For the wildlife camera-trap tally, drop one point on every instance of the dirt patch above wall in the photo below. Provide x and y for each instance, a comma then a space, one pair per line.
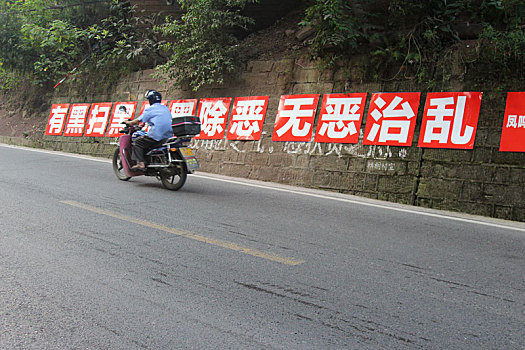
285, 39
18, 120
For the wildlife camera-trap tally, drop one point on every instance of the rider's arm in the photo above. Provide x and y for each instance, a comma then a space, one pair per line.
132, 122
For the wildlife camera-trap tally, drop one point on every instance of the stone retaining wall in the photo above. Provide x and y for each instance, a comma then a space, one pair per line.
481, 181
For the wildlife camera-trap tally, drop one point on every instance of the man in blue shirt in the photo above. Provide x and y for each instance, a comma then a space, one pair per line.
158, 117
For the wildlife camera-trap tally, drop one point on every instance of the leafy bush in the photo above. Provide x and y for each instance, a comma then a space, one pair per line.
336, 29
504, 51
55, 47
202, 45
415, 38
46, 41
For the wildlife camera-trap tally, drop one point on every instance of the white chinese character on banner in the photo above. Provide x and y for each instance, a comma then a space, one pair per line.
213, 117
248, 114
341, 116
181, 109
512, 121
98, 121
294, 117
521, 121
77, 118
438, 129
384, 124
56, 122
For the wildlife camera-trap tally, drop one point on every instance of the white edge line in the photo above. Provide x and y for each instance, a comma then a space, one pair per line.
280, 189
375, 205
65, 154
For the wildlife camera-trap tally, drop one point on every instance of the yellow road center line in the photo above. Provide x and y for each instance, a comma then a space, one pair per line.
196, 237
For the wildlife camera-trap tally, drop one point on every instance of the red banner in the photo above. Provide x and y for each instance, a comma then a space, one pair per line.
76, 119
247, 118
450, 120
513, 133
392, 119
213, 113
295, 118
183, 108
118, 116
98, 119
57, 119
340, 118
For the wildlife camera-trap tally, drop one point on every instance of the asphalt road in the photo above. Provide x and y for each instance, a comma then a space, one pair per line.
90, 262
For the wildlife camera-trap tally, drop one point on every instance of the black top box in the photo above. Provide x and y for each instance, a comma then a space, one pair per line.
183, 126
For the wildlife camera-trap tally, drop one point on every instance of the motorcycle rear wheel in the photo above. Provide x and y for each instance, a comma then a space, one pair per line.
174, 177
118, 168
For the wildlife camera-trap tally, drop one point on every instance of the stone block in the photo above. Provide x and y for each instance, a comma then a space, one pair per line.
370, 182
284, 84
339, 181
518, 213
304, 62
502, 211
219, 156
322, 178
471, 172
401, 198
482, 154
465, 207
298, 177
256, 79
312, 88
306, 75
257, 159
413, 168
448, 155
282, 160
332, 163
371, 195
260, 66
439, 188
284, 66
302, 161
509, 158
235, 169
356, 164
472, 192
504, 194
396, 184
236, 157
326, 75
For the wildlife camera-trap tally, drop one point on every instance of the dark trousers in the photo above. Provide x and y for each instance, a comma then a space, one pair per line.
141, 146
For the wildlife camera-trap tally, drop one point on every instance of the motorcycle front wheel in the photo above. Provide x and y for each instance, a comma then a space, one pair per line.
118, 168
174, 177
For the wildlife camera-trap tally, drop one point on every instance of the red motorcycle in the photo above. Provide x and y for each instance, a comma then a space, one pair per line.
169, 163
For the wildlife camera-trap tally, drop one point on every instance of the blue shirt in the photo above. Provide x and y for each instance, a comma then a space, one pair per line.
158, 117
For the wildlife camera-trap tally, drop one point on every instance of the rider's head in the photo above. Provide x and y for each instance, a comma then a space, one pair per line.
153, 96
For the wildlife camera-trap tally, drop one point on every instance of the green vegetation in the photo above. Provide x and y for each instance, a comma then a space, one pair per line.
415, 39
204, 46
336, 29
42, 40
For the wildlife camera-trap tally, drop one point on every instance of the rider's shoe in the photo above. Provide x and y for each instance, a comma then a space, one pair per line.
139, 167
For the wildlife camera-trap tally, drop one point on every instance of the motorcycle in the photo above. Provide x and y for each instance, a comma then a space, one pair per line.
170, 163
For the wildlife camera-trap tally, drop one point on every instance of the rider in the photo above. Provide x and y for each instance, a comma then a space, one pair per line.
158, 117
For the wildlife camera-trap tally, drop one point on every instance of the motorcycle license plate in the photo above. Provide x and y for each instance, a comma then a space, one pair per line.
189, 158
186, 152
